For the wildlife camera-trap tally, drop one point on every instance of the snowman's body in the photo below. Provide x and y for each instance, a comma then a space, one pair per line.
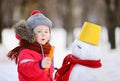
83, 73
79, 72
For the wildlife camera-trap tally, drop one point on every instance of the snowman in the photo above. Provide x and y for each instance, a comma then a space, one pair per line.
84, 64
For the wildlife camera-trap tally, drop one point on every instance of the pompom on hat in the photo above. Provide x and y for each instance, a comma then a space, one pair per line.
35, 12
90, 33
37, 18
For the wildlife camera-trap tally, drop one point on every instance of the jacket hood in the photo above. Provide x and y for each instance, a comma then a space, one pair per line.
24, 32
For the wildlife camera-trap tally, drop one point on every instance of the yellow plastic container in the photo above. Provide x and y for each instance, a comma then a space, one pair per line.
90, 33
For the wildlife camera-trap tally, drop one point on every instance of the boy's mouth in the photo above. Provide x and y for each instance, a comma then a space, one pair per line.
43, 39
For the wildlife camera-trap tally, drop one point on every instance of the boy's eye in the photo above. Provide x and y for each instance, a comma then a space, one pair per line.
38, 31
46, 31
41, 31
78, 46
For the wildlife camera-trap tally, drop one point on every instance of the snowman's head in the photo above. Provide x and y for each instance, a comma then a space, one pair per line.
86, 51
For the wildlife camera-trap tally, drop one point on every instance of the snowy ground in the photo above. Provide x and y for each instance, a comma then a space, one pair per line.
110, 58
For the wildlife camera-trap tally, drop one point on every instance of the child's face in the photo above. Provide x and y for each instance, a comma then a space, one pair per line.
42, 34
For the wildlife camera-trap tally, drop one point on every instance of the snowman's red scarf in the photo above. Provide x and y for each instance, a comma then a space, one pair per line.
63, 73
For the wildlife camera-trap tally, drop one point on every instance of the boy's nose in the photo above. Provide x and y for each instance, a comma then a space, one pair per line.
43, 34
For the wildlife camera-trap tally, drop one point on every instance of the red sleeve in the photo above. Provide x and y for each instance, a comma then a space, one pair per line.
28, 65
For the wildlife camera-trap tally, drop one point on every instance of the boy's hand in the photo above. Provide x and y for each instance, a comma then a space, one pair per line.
46, 62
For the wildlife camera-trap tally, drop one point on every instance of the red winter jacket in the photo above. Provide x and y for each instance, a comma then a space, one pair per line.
29, 67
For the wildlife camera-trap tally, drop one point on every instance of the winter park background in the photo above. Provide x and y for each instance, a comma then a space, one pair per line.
110, 58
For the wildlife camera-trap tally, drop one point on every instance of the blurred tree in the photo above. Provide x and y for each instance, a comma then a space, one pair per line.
112, 19
0, 21
118, 12
92, 11
27, 6
85, 10
65, 12
68, 22
7, 10
6, 13
7, 16
49, 8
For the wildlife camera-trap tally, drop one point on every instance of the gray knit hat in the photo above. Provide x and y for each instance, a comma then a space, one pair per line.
37, 18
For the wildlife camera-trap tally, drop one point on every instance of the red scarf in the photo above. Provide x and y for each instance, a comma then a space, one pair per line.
26, 45
35, 46
63, 73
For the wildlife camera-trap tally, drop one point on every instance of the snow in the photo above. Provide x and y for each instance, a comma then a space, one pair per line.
110, 58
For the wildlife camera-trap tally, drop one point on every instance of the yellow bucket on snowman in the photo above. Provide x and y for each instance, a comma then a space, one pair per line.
90, 33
